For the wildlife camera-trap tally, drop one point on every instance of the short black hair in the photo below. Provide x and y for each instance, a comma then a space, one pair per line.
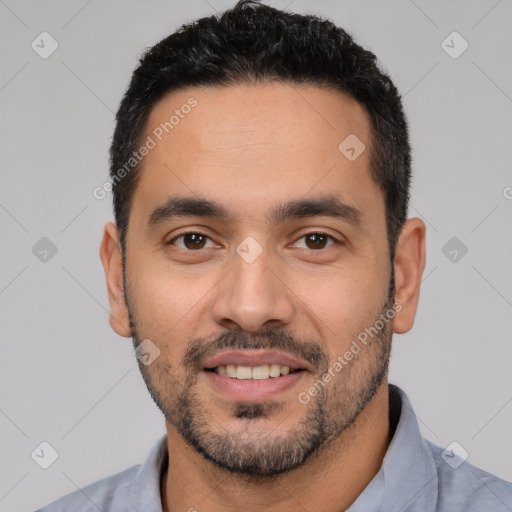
255, 43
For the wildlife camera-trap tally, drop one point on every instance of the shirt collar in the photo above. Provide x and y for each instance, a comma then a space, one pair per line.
145, 491
408, 476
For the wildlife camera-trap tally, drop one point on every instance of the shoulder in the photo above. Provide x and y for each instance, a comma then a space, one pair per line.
467, 487
136, 488
110, 494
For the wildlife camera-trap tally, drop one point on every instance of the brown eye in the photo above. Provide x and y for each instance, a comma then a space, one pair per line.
190, 241
317, 240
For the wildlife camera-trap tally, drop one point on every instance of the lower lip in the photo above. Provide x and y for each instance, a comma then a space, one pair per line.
255, 390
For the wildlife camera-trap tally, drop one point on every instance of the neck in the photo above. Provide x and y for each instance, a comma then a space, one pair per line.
329, 481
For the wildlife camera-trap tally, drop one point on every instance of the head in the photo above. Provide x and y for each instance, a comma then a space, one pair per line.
261, 170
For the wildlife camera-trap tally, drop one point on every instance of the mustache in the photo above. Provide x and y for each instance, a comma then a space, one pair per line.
199, 350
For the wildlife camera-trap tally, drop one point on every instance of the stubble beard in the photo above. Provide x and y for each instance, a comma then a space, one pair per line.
252, 451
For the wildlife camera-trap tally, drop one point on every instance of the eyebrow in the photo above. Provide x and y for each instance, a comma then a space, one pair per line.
325, 206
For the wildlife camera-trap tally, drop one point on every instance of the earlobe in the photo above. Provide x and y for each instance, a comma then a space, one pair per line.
409, 267
111, 258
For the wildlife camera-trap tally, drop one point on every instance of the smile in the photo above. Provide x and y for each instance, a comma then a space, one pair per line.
254, 373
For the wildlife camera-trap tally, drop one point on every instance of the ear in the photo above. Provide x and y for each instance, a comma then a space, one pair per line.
409, 266
110, 254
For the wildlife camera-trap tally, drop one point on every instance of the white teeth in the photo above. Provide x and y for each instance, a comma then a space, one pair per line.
252, 372
243, 372
275, 370
260, 372
285, 370
231, 371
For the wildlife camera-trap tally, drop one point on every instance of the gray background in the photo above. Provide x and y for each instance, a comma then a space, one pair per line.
67, 379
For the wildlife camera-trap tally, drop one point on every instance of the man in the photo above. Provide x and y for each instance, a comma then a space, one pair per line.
261, 260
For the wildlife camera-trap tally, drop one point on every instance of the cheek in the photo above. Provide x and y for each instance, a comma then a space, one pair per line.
341, 296
160, 314
165, 299
342, 304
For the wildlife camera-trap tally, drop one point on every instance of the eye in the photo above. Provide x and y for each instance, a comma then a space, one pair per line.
191, 240
317, 240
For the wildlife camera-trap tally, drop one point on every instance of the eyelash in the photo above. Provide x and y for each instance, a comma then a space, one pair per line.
335, 240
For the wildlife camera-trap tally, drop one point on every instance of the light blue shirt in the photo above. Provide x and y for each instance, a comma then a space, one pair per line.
415, 476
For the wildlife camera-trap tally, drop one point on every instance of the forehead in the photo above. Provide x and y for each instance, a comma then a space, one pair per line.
252, 145
236, 117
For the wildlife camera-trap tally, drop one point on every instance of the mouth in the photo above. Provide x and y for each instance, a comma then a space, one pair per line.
254, 375
262, 372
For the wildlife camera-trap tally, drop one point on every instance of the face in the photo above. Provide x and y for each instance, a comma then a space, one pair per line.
256, 255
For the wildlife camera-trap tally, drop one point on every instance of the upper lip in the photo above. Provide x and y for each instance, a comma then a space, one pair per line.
256, 358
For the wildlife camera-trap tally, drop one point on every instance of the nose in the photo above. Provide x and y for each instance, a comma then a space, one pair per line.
252, 295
